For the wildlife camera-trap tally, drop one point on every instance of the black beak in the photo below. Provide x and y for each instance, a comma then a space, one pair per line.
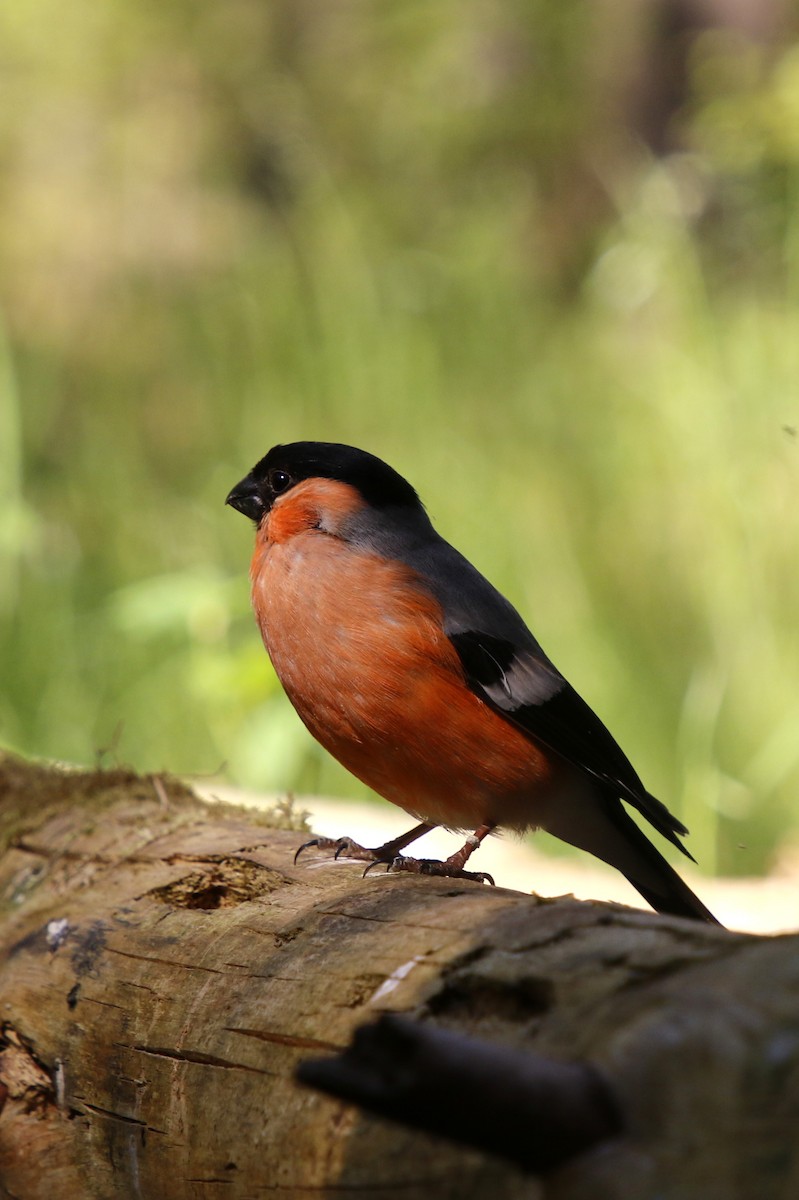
246, 498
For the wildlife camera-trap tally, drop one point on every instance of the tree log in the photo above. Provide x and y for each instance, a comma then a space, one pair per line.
166, 966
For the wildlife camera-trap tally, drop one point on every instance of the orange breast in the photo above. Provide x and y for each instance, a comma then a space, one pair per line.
362, 655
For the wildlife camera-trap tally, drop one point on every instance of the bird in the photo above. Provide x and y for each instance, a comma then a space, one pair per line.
422, 679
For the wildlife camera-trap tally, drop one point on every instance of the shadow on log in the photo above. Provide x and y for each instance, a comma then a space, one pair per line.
164, 968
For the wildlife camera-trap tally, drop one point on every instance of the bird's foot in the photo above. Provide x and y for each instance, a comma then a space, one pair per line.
449, 868
390, 854
345, 847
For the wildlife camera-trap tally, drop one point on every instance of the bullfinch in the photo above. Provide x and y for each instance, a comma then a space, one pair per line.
413, 671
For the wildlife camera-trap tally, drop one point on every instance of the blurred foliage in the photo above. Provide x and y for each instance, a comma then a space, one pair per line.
435, 231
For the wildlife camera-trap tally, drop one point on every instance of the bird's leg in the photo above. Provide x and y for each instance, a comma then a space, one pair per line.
452, 867
387, 853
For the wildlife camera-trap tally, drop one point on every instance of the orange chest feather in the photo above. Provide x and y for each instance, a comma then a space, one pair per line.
342, 627
362, 654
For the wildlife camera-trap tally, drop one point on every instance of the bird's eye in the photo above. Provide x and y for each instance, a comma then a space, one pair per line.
279, 481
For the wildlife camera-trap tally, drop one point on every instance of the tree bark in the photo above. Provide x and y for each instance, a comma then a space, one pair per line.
166, 966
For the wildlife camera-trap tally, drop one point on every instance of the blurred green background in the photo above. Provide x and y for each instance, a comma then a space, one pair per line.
544, 258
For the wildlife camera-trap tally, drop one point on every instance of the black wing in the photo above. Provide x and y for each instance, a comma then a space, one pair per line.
529, 691
506, 667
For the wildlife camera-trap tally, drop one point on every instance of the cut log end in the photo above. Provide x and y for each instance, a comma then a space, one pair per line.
533, 1111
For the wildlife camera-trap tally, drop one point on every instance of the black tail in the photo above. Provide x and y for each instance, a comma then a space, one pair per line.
651, 875
604, 827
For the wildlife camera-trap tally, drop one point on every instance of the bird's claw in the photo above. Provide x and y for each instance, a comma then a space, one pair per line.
307, 846
343, 846
433, 866
351, 849
378, 862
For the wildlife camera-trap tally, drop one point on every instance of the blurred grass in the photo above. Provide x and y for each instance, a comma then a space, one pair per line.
619, 455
